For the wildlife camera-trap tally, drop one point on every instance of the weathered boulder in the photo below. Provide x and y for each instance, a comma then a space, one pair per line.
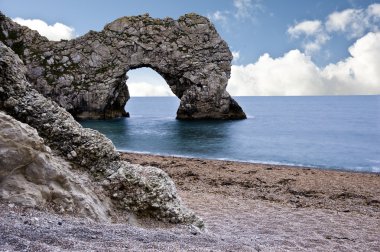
87, 75
31, 175
144, 190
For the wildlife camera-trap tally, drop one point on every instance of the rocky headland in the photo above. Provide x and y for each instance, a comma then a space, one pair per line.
87, 75
34, 174
48, 159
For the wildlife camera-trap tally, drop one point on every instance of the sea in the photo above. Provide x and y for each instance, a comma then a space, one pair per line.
327, 132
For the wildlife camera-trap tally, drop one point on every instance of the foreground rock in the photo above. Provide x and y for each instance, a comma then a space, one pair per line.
31, 175
87, 75
143, 190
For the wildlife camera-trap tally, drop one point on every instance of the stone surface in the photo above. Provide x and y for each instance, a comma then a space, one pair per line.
87, 75
144, 190
31, 175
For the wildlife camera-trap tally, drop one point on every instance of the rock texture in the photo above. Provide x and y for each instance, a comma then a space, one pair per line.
31, 175
144, 190
87, 75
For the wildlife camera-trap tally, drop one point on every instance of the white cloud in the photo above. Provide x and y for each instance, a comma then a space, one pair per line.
235, 55
359, 73
287, 75
243, 8
147, 82
374, 10
314, 33
350, 21
54, 32
307, 28
296, 74
148, 89
354, 22
219, 16
314, 45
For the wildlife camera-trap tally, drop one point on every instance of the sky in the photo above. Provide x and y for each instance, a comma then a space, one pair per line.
280, 47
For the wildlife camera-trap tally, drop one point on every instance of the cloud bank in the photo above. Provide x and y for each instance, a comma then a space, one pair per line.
53, 32
296, 74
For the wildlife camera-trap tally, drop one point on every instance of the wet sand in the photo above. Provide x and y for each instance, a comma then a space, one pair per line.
246, 207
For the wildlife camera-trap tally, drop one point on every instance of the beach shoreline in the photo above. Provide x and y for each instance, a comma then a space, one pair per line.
292, 185
253, 162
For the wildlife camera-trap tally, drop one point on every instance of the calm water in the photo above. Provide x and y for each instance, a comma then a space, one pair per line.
341, 132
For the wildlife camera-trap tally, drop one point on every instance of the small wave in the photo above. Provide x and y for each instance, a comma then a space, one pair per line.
375, 169
372, 169
222, 159
132, 151
374, 161
159, 154
253, 161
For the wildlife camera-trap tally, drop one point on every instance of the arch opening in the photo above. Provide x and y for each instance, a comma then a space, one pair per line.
149, 93
145, 81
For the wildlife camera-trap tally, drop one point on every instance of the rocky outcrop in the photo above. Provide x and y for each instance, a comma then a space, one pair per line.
31, 175
87, 75
144, 190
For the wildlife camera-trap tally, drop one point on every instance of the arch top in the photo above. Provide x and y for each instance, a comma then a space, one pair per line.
87, 75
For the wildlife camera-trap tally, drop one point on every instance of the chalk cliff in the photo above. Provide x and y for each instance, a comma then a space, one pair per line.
87, 75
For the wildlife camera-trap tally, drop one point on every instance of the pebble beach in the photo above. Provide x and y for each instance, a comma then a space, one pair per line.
246, 207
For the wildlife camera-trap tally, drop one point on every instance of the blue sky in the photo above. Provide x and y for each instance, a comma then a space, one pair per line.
265, 36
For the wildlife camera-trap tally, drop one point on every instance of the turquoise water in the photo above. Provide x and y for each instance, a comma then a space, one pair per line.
337, 132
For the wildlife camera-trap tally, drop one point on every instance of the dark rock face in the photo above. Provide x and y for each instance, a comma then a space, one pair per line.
140, 189
87, 75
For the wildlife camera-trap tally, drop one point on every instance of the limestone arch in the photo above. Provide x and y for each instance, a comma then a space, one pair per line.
87, 75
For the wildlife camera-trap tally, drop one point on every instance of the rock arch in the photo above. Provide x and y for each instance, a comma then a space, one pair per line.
87, 75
